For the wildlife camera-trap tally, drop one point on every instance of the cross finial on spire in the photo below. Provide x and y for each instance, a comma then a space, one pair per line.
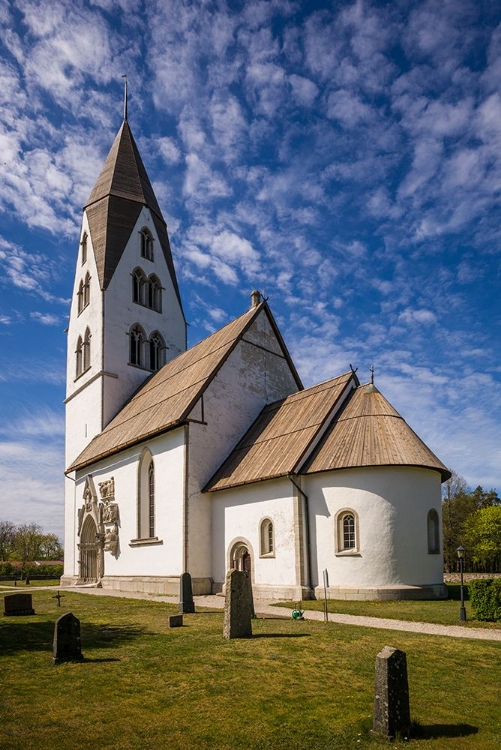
125, 98
372, 374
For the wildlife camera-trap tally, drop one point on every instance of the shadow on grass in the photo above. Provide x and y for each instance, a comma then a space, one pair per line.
280, 635
432, 731
38, 636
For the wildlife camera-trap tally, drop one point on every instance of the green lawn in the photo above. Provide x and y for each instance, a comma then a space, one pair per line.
443, 612
21, 585
294, 685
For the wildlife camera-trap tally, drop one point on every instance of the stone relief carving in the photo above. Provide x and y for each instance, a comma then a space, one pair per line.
111, 539
110, 513
107, 489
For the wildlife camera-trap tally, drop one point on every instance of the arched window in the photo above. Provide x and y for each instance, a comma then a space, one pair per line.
151, 498
267, 537
347, 535
86, 290
84, 248
157, 348
146, 497
136, 345
154, 300
433, 532
80, 297
138, 283
79, 356
146, 244
86, 350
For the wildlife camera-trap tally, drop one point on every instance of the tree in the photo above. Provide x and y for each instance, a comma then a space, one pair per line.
28, 542
7, 536
459, 504
483, 537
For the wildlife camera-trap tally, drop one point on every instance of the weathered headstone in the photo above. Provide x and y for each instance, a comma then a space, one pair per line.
175, 621
391, 694
67, 641
238, 605
18, 604
186, 603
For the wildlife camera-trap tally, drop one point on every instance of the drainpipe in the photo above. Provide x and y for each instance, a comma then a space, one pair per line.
306, 530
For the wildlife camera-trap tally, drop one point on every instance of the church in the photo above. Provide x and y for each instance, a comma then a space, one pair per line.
216, 457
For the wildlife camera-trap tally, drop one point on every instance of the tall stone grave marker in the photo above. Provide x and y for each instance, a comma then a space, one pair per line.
186, 603
67, 642
18, 604
391, 694
238, 605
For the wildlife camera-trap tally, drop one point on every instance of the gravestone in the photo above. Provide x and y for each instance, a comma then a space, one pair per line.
67, 642
186, 603
175, 621
18, 604
238, 605
391, 694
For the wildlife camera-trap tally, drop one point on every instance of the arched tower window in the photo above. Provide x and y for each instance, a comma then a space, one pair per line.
80, 297
146, 244
267, 537
138, 283
347, 534
157, 348
86, 349
154, 300
136, 345
84, 248
433, 532
146, 497
86, 290
79, 357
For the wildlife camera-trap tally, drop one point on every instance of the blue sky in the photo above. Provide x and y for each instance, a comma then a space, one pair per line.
344, 158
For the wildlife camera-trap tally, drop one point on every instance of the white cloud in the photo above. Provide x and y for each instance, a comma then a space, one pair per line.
47, 319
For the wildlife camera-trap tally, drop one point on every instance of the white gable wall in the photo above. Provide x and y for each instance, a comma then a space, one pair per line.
252, 376
121, 313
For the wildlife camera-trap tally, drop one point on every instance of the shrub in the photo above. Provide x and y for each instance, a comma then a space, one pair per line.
485, 597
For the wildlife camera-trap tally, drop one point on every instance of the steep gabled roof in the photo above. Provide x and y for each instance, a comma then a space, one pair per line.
370, 432
165, 400
282, 435
121, 190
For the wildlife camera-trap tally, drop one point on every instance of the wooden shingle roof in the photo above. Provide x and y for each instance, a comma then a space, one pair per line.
167, 397
121, 190
281, 436
370, 432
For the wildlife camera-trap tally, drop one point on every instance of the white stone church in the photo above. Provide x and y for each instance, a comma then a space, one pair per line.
216, 457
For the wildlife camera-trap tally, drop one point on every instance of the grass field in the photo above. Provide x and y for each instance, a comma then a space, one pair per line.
21, 585
444, 612
294, 685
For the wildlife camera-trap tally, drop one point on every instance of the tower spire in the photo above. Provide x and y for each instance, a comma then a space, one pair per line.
125, 98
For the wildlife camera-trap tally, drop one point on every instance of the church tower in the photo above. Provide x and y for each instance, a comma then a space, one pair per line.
126, 317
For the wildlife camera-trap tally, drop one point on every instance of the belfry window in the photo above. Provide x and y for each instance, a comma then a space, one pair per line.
136, 345
86, 290
86, 350
157, 348
80, 297
79, 357
154, 300
138, 282
84, 248
146, 244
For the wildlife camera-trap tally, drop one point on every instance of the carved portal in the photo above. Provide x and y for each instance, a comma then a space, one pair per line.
98, 529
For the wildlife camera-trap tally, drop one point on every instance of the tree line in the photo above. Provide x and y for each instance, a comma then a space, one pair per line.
471, 519
27, 543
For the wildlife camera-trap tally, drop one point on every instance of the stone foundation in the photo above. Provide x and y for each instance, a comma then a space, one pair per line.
383, 593
160, 585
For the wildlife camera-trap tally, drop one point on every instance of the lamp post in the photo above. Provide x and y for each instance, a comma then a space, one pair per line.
462, 611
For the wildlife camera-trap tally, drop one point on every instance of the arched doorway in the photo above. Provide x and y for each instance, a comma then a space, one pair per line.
240, 558
89, 551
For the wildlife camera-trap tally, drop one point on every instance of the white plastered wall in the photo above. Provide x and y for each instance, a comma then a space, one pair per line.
237, 515
251, 377
392, 505
160, 559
